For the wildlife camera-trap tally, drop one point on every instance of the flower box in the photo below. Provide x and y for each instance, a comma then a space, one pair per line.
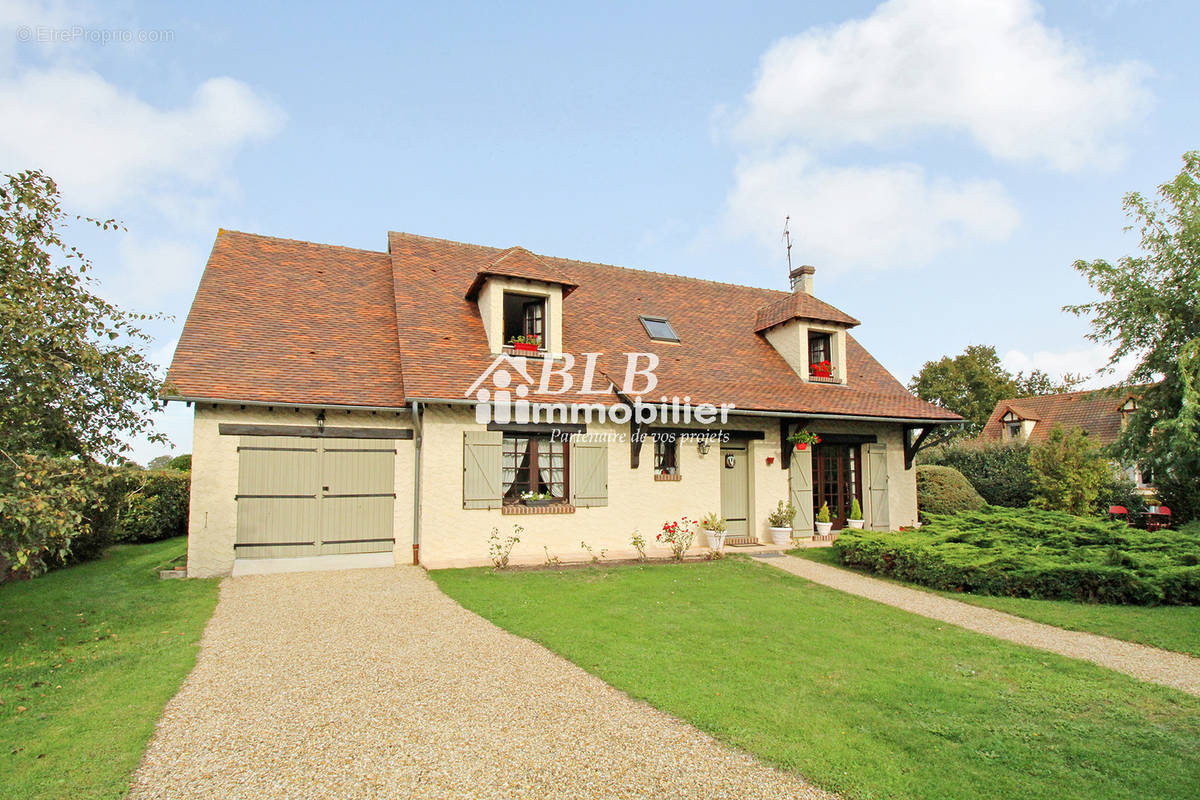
522, 347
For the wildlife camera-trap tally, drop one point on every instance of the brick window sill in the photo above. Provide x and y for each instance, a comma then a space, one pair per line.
661, 477
520, 509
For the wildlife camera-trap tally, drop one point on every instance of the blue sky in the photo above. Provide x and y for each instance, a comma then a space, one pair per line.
943, 162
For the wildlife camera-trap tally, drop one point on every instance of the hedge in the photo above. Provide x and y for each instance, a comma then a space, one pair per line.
944, 490
999, 472
105, 505
1039, 554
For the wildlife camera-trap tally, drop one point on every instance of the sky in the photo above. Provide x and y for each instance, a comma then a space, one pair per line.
943, 162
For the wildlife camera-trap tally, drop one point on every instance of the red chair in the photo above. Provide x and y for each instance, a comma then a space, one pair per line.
1157, 518
1119, 512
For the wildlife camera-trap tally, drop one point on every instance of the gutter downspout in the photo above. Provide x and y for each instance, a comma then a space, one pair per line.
418, 436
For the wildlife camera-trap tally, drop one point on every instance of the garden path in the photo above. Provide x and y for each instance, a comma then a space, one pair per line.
1176, 670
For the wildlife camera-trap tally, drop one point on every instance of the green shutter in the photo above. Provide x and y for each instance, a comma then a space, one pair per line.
481, 469
800, 484
589, 473
877, 471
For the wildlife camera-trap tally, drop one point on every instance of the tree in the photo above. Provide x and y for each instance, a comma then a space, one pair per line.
183, 462
971, 383
75, 382
1150, 308
1069, 472
159, 462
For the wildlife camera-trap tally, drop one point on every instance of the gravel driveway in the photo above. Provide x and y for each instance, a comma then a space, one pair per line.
372, 683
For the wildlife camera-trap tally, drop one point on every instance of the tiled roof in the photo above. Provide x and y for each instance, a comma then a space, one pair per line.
276, 320
719, 358
285, 321
1098, 412
517, 262
799, 305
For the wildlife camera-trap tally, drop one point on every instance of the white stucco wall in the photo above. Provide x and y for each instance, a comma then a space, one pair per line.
212, 524
452, 536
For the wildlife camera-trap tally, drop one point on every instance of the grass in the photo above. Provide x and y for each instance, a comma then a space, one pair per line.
1169, 627
89, 655
863, 699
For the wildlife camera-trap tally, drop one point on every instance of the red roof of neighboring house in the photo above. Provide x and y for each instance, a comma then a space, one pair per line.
1097, 411
255, 347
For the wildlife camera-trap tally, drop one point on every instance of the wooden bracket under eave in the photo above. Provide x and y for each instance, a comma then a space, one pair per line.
637, 432
913, 446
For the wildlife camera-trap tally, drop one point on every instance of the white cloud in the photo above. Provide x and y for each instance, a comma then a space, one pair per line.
855, 217
105, 145
1081, 361
989, 68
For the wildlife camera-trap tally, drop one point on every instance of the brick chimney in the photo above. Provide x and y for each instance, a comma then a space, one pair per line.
802, 279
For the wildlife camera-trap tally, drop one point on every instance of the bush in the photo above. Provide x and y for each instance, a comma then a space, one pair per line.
1040, 554
944, 490
147, 505
999, 472
1069, 472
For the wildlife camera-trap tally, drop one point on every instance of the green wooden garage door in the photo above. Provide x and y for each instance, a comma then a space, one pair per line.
308, 496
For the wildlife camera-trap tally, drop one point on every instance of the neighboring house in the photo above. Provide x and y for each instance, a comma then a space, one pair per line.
1101, 413
355, 407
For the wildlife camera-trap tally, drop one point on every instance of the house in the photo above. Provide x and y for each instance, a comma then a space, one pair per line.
1101, 413
356, 407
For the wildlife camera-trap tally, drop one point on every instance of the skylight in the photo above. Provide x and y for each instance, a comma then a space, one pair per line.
659, 329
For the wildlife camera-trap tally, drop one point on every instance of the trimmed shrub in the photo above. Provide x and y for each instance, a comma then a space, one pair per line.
944, 490
999, 472
1033, 553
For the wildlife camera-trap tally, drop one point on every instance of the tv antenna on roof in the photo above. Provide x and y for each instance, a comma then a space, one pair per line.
787, 238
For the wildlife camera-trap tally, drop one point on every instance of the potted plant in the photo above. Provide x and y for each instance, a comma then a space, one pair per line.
526, 343
537, 498
856, 518
802, 439
821, 369
824, 520
714, 528
779, 522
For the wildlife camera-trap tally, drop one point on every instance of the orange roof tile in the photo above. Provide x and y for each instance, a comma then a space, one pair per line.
283, 321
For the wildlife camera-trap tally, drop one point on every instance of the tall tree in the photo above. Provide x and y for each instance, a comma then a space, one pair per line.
1150, 308
75, 382
971, 383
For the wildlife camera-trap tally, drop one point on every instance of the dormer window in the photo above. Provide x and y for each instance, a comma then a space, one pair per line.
659, 329
524, 321
1012, 426
820, 357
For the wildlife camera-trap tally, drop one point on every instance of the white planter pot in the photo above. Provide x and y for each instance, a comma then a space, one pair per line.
716, 541
855, 523
781, 536
824, 528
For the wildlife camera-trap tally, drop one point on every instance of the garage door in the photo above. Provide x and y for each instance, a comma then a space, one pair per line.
309, 496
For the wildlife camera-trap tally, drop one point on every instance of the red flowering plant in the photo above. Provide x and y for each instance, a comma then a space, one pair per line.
678, 535
802, 439
821, 369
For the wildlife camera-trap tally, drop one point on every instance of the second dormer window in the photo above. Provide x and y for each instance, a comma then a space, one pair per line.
820, 356
524, 321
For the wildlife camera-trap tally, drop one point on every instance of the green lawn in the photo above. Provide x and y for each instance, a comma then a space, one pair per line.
89, 656
865, 700
1169, 627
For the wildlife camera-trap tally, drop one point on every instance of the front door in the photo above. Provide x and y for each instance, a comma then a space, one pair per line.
837, 480
735, 493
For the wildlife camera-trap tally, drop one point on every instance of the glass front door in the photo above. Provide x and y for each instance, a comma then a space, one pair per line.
837, 480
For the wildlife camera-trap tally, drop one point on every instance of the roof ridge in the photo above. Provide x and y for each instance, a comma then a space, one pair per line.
595, 263
1116, 388
223, 231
